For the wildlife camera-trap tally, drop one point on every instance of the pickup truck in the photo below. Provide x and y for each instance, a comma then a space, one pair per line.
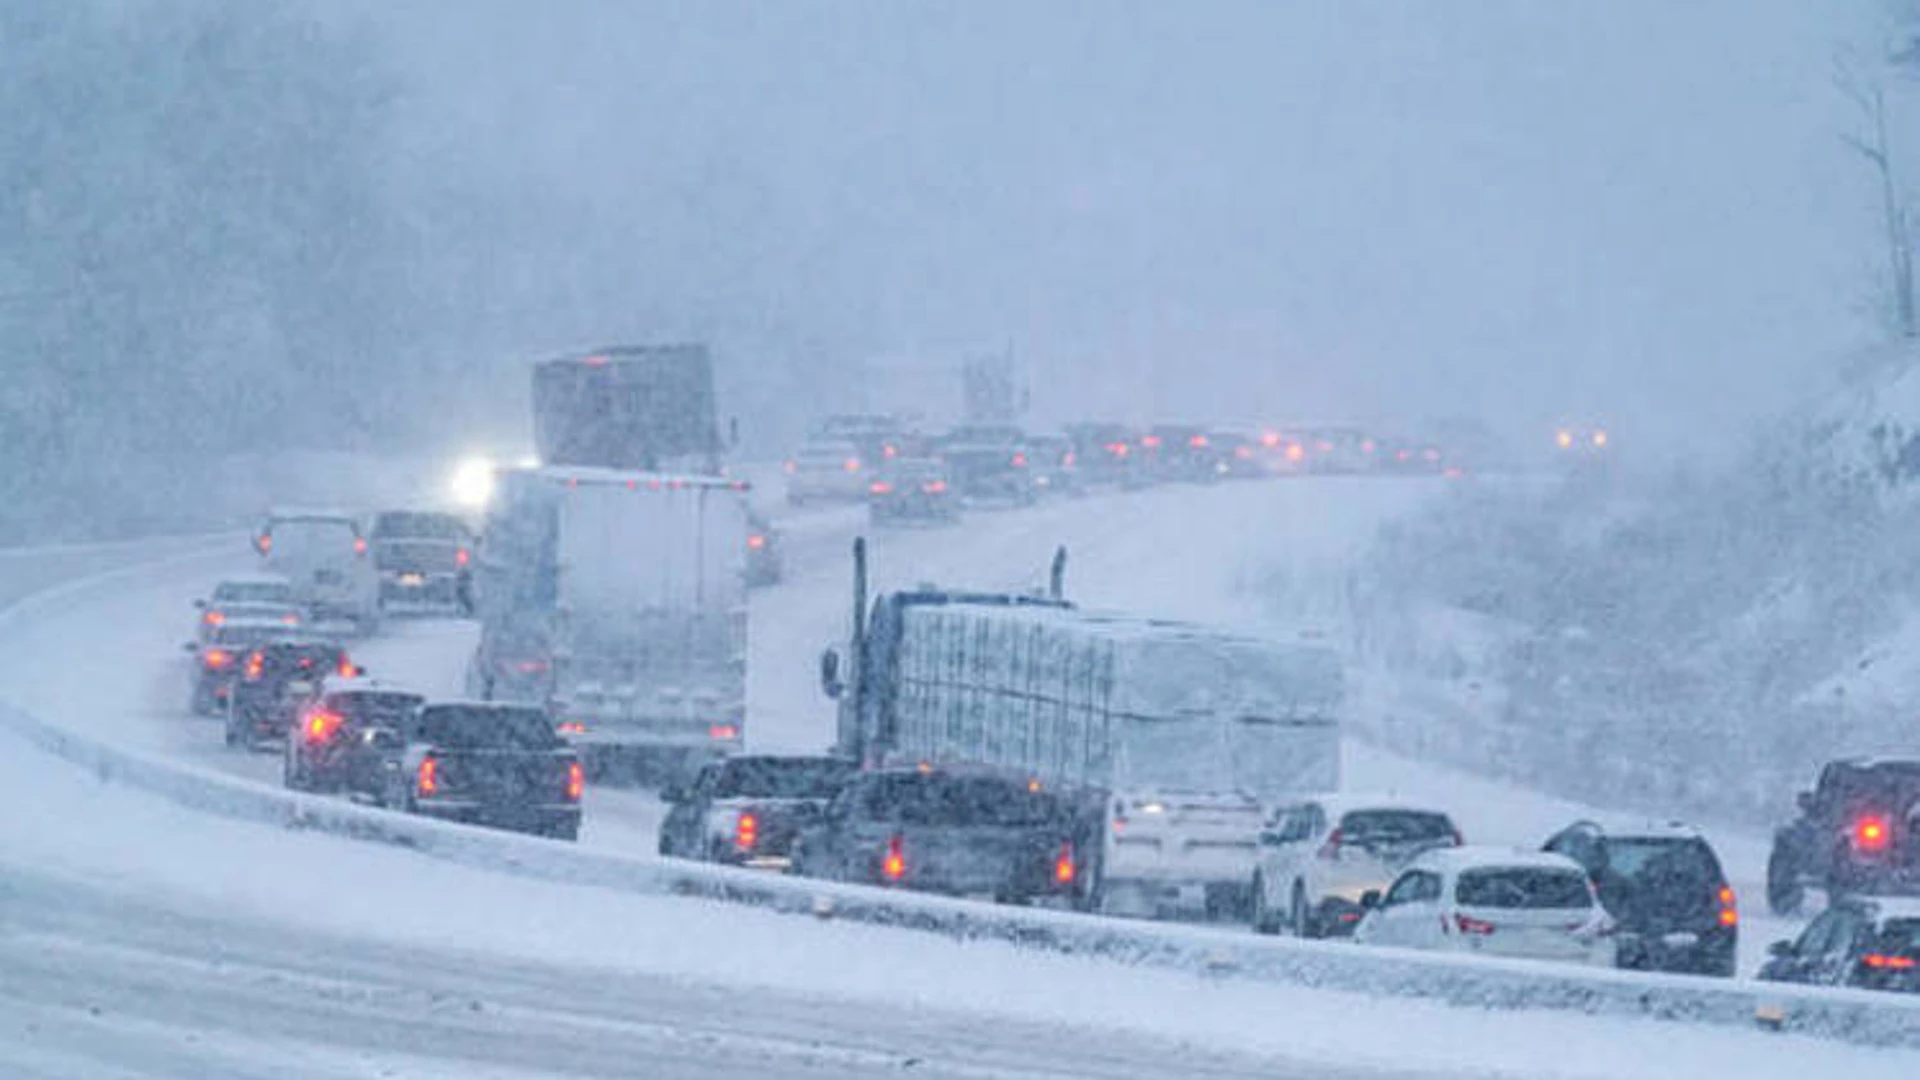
489, 763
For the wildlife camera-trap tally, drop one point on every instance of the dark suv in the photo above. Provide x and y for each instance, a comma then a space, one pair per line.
422, 557
1871, 943
955, 831
1858, 831
275, 682
486, 763
349, 739
748, 810
1666, 891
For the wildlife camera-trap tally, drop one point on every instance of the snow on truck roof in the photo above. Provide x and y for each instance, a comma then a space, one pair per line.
584, 474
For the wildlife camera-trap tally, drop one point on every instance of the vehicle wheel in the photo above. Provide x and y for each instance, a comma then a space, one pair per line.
1265, 919
1304, 924
1784, 891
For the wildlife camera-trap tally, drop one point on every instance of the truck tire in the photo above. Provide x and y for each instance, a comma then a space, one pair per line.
1784, 891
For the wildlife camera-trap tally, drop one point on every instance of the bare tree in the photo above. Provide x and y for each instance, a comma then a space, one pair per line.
1866, 92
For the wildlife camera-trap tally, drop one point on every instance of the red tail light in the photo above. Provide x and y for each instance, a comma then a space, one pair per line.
596, 360
1270, 439
570, 727
217, 658
1295, 451
722, 731
290, 619
1150, 440
790, 466
359, 545
894, 866
756, 541
321, 725
1197, 442
746, 832
1729, 911
1331, 849
346, 668
462, 557
889, 451
427, 781
1243, 452
1019, 461
576, 781
852, 464
263, 544
1063, 868
1883, 962
256, 663
934, 487
1467, 924
1871, 833
214, 618
880, 487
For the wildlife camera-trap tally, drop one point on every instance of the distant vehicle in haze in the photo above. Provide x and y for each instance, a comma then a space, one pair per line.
325, 557
487, 763
833, 469
1492, 902
641, 408
989, 464
1666, 891
1236, 455
421, 557
912, 489
248, 599
1858, 831
1053, 464
1581, 440
748, 810
1103, 453
221, 653
764, 564
1319, 856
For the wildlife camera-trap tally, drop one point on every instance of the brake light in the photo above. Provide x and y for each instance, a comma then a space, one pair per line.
1197, 442
756, 541
263, 543
570, 727
894, 866
722, 731
880, 487
1295, 451
1019, 461
1243, 452
359, 545
1729, 911
256, 663
1270, 439
934, 487
1366, 446
462, 557
1063, 869
214, 618
1467, 924
1150, 440
596, 360
889, 451
321, 725
746, 831
791, 466
530, 667
1331, 849
290, 619
1870, 833
427, 781
852, 464
576, 781
346, 668
217, 658
1883, 962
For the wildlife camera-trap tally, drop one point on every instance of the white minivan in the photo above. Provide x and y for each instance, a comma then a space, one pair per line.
1493, 902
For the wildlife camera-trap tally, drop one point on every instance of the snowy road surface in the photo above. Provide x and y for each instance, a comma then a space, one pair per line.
149, 930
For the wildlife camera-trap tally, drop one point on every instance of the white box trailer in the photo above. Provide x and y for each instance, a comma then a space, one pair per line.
618, 600
1180, 734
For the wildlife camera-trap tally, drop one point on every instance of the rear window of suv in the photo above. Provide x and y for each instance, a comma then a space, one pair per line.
759, 779
1522, 887
402, 525
959, 802
459, 728
1365, 827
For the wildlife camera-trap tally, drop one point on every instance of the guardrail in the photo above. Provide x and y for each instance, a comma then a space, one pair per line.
1847, 1015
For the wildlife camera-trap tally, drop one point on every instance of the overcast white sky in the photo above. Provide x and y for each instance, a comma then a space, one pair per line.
1638, 211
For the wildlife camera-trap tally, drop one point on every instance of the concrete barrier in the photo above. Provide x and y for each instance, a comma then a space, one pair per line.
1848, 1015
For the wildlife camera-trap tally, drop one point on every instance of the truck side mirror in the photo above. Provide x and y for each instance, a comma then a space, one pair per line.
830, 683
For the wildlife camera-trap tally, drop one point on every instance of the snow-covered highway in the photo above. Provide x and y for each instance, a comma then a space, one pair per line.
151, 941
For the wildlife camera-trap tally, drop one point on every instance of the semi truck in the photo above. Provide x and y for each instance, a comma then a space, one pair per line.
1170, 737
641, 407
617, 600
